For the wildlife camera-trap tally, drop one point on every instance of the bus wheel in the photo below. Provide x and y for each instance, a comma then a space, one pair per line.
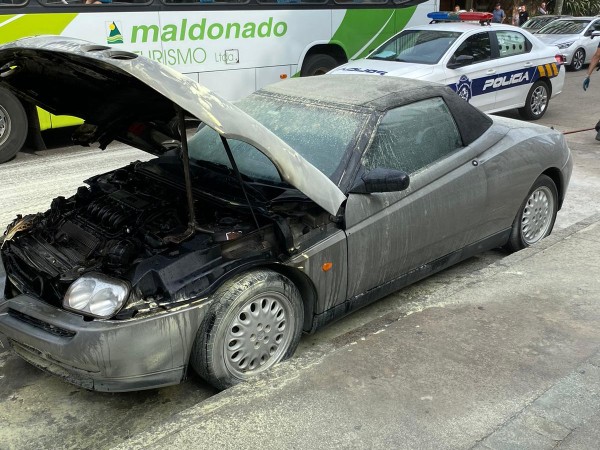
318, 64
13, 125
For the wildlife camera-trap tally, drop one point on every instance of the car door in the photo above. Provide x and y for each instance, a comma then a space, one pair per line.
390, 234
517, 63
469, 80
589, 41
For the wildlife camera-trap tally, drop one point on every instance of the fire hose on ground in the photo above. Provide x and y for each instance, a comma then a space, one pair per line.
579, 131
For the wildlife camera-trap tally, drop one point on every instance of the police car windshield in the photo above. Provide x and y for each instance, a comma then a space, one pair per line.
416, 46
565, 27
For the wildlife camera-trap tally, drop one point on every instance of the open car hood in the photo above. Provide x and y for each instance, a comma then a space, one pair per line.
126, 97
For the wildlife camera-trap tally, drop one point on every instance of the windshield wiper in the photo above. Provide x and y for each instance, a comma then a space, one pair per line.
220, 168
216, 167
381, 58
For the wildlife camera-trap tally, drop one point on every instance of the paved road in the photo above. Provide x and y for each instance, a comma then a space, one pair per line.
38, 410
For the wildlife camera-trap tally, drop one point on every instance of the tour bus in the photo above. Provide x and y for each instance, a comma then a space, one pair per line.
233, 47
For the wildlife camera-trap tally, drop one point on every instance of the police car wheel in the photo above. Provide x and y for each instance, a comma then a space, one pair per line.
318, 64
578, 60
13, 125
537, 101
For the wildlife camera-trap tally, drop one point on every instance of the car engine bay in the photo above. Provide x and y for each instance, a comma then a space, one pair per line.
126, 224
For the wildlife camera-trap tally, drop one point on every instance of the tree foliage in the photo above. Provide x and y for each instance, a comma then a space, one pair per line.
581, 7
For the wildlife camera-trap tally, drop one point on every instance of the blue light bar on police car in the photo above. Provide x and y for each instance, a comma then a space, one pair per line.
459, 16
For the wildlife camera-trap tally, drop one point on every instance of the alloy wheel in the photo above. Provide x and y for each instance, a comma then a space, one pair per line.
578, 60
537, 215
258, 335
539, 100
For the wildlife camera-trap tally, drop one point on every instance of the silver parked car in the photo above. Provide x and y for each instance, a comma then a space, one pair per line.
308, 200
574, 37
536, 23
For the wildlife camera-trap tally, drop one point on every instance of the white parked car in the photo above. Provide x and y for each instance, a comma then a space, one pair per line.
494, 67
574, 37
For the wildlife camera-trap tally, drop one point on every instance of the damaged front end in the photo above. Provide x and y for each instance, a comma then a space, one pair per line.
166, 231
122, 226
109, 287
99, 292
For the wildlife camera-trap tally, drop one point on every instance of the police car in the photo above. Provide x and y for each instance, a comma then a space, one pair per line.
495, 67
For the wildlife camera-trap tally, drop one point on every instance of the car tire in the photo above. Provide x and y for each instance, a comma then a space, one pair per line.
13, 125
578, 60
318, 64
254, 322
537, 101
536, 215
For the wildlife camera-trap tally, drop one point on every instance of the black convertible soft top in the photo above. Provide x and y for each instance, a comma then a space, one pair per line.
382, 94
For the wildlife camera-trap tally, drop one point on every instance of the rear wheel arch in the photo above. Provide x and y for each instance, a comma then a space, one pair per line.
334, 51
548, 83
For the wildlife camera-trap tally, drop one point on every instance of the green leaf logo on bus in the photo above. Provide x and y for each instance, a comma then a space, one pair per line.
114, 34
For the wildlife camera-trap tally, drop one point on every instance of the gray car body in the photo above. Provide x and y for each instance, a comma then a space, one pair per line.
458, 206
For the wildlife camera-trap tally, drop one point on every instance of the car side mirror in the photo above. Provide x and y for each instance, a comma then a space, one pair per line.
595, 34
460, 61
381, 180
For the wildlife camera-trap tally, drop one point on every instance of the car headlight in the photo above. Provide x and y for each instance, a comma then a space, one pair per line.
97, 295
565, 44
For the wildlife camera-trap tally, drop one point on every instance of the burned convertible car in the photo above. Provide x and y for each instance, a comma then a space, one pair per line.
277, 216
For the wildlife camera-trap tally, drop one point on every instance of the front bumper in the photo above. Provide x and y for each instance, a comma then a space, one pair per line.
102, 355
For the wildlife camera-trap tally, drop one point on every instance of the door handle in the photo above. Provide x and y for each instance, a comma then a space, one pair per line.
528, 64
491, 71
